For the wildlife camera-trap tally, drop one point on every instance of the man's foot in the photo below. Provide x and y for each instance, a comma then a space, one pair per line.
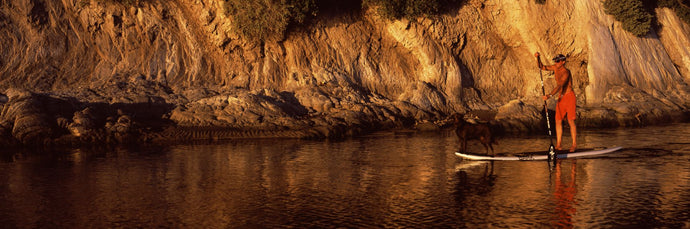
572, 149
558, 148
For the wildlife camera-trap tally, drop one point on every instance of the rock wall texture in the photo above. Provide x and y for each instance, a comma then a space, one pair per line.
177, 65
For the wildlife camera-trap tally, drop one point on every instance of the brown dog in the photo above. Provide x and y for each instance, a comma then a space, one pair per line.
468, 131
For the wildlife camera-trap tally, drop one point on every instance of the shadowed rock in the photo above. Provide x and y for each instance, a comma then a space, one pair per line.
25, 113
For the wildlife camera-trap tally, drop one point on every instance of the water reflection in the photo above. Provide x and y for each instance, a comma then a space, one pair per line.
383, 180
564, 195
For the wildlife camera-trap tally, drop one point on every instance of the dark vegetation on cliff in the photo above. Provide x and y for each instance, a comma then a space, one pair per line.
632, 14
269, 20
397, 9
123, 2
637, 16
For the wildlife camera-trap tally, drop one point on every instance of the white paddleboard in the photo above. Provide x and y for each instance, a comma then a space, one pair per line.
536, 157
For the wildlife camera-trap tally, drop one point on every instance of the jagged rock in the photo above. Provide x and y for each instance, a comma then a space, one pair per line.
109, 123
6, 137
84, 123
123, 125
86, 118
25, 113
517, 116
63, 122
122, 129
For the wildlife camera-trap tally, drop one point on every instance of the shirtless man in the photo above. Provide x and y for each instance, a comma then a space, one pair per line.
566, 98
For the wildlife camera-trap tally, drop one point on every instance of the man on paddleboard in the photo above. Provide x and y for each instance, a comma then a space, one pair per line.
566, 98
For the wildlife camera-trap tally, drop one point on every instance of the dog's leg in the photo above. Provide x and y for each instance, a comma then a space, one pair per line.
485, 143
460, 145
491, 143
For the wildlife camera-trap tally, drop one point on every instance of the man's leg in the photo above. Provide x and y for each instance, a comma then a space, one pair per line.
559, 133
573, 134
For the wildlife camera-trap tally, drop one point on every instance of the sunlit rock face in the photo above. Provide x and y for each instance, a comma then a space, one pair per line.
182, 63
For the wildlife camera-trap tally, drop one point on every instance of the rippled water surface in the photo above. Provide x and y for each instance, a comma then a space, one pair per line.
383, 180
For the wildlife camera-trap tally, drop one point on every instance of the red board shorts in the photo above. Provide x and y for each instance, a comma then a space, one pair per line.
566, 106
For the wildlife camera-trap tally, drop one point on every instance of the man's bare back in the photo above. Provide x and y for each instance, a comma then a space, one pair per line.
563, 78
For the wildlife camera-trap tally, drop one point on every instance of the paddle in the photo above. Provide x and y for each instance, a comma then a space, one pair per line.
552, 149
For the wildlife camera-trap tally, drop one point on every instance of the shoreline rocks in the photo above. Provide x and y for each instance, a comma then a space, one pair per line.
32, 119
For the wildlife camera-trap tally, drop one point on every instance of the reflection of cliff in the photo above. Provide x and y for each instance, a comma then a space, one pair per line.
344, 70
243, 184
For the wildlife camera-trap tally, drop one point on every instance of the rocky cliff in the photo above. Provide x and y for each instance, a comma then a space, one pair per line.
181, 71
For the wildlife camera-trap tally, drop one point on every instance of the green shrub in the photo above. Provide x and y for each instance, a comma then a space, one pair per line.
396, 9
123, 2
631, 14
264, 20
129, 2
301, 10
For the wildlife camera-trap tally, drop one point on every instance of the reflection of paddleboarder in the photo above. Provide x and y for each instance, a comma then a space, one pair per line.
564, 195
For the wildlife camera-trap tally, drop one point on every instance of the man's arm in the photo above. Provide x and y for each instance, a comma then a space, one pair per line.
555, 90
540, 65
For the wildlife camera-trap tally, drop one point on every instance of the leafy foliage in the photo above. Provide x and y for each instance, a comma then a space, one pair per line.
269, 20
123, 2
263, 20
404, 8
396, 9
301, 10
632, 14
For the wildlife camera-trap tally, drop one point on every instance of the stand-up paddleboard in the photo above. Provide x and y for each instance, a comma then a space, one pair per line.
536, 156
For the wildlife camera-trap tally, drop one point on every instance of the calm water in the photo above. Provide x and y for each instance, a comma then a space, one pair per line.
384, 180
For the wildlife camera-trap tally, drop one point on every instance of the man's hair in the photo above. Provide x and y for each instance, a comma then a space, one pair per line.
559, 57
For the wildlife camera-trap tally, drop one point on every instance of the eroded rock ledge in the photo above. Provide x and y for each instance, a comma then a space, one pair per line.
150, 113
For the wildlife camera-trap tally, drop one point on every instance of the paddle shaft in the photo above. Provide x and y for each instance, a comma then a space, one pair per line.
546, 110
